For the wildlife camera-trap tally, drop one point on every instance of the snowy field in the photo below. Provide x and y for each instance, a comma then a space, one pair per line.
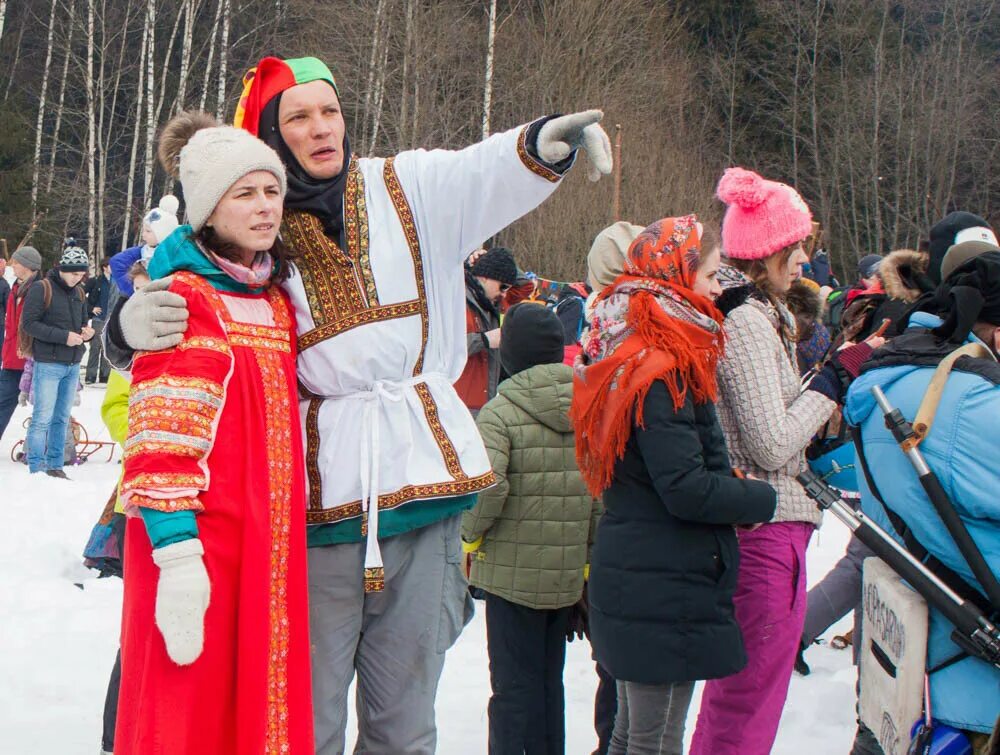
59, 631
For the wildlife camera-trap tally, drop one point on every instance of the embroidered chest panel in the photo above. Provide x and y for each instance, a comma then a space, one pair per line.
271, 338
339, 284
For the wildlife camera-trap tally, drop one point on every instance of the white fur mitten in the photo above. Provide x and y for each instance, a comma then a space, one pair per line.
182, 596
560, 136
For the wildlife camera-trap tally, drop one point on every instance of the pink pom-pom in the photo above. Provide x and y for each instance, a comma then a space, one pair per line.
744, 188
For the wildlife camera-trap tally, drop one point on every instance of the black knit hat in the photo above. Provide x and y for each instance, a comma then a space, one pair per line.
868, 265
943, 237
497, 264
531, 335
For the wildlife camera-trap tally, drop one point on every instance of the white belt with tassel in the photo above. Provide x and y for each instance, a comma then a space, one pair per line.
375, 397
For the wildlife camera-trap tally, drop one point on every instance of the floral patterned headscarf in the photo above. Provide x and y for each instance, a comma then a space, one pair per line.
648, 325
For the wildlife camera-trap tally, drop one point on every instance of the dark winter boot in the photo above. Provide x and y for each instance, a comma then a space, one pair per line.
801, 666
56, 473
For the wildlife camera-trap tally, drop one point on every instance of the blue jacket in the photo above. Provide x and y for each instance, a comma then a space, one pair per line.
963, 449
120, 265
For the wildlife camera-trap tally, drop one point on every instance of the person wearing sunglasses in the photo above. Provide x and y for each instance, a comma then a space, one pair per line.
488, 276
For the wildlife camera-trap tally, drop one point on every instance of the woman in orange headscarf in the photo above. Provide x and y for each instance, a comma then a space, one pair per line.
663, 568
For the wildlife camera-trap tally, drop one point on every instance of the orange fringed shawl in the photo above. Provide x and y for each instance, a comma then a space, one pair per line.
648, 325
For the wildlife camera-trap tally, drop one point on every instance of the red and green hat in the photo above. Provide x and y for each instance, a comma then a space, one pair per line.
269, 78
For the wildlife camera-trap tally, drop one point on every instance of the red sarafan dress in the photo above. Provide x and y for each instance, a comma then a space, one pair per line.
214, 428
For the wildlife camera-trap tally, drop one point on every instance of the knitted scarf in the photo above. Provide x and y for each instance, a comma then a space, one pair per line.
648, 325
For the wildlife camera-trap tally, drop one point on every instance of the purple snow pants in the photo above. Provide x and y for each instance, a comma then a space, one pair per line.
740, 713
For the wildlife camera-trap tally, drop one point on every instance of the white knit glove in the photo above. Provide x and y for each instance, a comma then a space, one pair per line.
560, 136
154, 318
182, 598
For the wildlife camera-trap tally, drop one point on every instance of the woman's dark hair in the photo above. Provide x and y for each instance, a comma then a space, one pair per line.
282, 255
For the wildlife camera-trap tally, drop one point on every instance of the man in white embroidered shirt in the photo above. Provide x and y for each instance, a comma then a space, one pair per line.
393, 456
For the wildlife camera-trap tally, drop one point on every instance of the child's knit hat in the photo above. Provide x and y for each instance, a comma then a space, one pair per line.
762, 217
162, 220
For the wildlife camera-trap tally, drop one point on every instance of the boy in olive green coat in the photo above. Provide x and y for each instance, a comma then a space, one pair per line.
530, 534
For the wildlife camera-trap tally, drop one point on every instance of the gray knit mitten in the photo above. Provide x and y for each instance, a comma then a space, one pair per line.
154, 318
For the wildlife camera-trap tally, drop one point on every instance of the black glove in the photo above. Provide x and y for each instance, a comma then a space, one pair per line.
578, 625
841, 369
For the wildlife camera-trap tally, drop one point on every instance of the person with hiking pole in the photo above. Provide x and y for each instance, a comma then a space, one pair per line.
961, 448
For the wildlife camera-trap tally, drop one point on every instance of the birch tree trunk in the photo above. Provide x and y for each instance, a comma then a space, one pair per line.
379, 95
17, 58
3, 15
136, 131
41, 108
189, 11
372, 62
166, 67
220, 103
404, 105
488, 79
211, 56
91, 134
99, 136
150, 110
62, 98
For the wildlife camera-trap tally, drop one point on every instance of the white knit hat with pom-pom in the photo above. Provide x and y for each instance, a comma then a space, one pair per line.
209, 159
162, 220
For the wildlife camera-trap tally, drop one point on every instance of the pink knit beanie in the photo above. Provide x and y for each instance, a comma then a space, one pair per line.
762, 217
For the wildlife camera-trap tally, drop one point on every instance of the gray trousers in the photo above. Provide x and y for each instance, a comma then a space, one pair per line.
394, 640
837, 594
650, 719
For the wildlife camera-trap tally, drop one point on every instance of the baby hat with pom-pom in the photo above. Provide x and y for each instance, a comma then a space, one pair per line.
762, 217
162, 220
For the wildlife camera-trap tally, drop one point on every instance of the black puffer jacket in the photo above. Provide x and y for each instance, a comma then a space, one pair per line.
663, 568
67, 311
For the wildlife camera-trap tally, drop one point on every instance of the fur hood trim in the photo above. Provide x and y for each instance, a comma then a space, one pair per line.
904, 275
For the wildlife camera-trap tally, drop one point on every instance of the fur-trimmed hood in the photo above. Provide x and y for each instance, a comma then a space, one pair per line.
804, 301
904, 275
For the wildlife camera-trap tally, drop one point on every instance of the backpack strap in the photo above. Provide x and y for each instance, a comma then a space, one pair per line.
932, 397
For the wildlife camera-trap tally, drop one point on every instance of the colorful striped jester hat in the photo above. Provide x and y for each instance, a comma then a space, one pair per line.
269, 78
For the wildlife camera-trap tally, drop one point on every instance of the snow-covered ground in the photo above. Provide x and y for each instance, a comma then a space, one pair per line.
59, 631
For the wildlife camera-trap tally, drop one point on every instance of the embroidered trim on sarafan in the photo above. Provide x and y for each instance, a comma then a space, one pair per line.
180, 480
312, 454
531, 163
166, 505
364, 317
402, 206
170, 387
205, 342
277, 412
448, 452
259, 342
405, 494
169, 414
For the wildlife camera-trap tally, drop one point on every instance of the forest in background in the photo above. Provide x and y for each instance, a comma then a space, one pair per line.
882, 113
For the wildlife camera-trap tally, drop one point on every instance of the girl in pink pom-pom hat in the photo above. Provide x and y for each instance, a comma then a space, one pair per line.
768, 420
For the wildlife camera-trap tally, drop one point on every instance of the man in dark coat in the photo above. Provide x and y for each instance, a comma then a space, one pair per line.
486, 281
55, 318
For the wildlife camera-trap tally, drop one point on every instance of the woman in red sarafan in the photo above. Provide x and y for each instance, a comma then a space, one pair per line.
215, 642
